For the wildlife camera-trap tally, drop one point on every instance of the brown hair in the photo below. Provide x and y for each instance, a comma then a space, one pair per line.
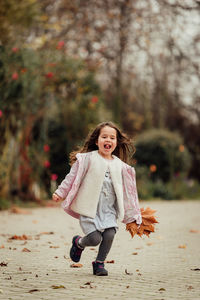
124, 149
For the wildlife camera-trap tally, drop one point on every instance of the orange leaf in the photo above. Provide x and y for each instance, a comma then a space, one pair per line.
26, 250
76, 265
182, 246
110, 261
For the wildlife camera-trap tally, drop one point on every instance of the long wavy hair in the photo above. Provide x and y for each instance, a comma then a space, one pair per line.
124, 149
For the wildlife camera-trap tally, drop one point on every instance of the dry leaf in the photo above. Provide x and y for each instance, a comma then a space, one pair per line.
20, 237
127, 273
89, 283
58, 287
54, 247
110, 261
92, 249
18, 210
190, 287
194, 231
2, 246
26, 250
162, 289
147, 226
196, 269
149, 244
182, 246
76, 265
45, 232
134, 253
34, 290
3, 264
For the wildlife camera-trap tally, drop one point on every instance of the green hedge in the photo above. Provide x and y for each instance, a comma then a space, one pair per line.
163, 153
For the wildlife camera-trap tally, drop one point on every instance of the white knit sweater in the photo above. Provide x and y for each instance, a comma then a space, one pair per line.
88, 194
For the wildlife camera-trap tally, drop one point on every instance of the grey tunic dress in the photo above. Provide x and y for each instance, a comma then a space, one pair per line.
106, 215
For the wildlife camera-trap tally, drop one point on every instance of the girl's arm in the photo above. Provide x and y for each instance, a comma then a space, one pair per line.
131, 202
65, 186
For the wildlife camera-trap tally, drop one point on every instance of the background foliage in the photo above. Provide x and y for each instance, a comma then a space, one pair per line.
67, 65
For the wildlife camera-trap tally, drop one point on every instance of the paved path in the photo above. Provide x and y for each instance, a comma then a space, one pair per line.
156, 268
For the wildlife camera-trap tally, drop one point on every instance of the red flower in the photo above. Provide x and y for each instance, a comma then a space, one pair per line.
47, 164
49, 75
46, 148
1, 113
54, 177
94, 99
15, 49
15, 76
60, 45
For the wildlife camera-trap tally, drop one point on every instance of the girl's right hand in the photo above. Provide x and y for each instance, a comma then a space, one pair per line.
56, 198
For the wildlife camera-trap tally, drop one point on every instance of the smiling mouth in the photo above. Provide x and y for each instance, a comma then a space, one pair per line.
106, 146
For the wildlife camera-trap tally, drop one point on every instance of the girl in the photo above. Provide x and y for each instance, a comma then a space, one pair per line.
100, 189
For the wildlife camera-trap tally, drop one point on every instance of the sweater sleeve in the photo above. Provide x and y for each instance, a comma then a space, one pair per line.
65, 186
131, 202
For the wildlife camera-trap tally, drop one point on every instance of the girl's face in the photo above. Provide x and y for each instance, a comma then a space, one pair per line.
107, 141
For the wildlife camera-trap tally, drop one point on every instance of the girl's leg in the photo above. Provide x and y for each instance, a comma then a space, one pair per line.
107, 240
78, 244
92, 239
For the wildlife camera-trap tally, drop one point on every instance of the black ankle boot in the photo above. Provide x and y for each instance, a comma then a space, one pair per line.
98, 269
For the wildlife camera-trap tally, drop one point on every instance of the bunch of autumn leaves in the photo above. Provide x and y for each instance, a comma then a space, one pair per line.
147, 226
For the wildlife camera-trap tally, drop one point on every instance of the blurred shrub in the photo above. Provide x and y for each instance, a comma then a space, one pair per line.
163, 153
48, 103
178, 188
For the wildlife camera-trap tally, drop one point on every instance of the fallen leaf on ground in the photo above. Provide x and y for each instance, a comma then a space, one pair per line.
196, 269
128, 273
149, 244
76, 265
33, 290
162, 289
18, 210
194, 231
92, 248
54, 247
110, 261
58, 287
20, 237
190, 287
3, 264
2, 246
134, 253
182, 246
89, 283
26, 250
46, 232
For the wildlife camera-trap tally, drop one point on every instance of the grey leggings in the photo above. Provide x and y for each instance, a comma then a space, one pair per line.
95, 238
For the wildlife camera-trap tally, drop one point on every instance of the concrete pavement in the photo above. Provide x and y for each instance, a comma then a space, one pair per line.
164, 266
